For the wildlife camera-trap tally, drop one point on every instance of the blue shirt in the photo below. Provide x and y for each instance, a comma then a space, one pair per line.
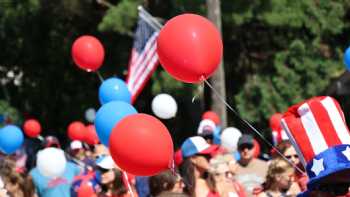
60, 187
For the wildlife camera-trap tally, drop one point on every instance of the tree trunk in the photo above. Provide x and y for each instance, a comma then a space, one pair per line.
218, 79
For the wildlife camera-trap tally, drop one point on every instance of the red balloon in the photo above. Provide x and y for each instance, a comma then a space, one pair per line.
86, 190
275, 122
257, 148
32, 128
91, 135
141, 145
76, 131
211, 116
189, 48
88, 53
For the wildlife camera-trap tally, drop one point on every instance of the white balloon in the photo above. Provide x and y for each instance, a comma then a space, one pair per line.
90, 115
229, 138
164, 106
51, 162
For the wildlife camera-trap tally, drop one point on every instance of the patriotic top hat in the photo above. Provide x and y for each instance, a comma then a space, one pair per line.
318, 131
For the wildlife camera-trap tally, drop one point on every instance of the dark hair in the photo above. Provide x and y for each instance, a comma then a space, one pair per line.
282, 147
187, 174
118, 187
164, 181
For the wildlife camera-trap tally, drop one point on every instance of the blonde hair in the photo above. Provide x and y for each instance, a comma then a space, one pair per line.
276, 167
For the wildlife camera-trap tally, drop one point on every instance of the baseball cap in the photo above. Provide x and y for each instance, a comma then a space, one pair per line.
51, 141
196, 145
76, 144
206, 127
245, 139
105, 162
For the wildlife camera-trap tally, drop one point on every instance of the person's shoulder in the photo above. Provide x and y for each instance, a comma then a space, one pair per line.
260, 162
262, 194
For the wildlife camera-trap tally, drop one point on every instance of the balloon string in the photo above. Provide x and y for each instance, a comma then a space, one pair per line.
198, 92
249, 125
128, 183
99, 76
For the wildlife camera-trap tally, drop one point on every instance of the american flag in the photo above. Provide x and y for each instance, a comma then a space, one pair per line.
144, 58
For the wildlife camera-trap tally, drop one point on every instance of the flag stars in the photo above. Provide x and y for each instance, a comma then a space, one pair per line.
346, 153
317, 166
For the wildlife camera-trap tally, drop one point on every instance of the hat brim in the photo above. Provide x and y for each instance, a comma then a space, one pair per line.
338, 169
211, 149
106, 163
330, 177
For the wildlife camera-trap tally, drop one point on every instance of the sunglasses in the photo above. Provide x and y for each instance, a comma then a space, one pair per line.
245, 146
337, 189
227, 174
290, 156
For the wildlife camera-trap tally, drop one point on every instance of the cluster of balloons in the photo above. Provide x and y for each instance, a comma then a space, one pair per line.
79, 131
118, 123
190, 49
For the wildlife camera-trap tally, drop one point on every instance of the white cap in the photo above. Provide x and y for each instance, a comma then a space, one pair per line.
76, 144
105, 162
206, 127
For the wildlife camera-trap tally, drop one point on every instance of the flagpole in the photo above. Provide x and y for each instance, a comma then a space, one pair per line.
149, 18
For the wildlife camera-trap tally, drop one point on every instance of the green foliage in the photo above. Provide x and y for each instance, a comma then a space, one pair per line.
121, 17
10, 113
299, 72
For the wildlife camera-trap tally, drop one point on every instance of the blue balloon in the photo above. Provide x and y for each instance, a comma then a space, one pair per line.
114, 89
347, 58
108, 116
11, 139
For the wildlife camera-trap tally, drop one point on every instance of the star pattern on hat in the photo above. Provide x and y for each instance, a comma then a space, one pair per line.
346, 153
317, 166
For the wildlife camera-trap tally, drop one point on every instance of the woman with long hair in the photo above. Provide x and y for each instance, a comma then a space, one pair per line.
288, 151
221, 176
194, 168
111, 179
279, 179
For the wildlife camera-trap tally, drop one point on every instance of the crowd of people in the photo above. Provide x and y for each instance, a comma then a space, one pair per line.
204, 165
203, 169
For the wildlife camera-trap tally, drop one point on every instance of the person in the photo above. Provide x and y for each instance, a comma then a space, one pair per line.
318, 131
13, 183
206, 129
285, 147
193, 169
165, 184
221, 176
111, 179
78, 157
48, 187
251, 171
279, 180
